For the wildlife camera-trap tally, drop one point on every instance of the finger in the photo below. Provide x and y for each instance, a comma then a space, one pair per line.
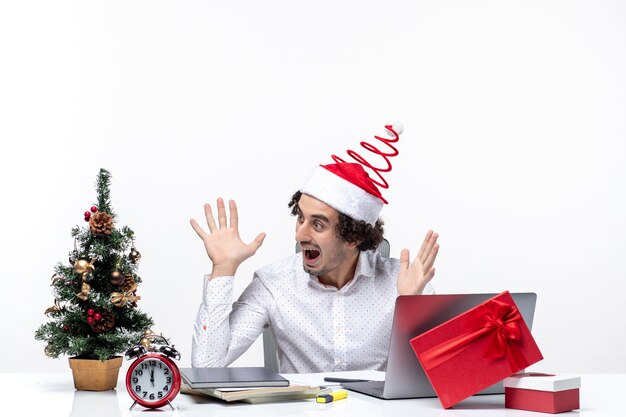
257, 242
404, 260
428, 263
210, 221
429, 276
221, 213
424, 243
198, 229
429, 247
234, 216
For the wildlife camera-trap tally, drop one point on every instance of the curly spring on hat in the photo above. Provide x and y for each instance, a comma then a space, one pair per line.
396, 131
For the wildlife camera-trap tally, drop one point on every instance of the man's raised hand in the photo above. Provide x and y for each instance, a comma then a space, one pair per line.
223, 244
414, 276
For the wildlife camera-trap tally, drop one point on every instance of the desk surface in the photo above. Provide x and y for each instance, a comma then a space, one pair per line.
53, 395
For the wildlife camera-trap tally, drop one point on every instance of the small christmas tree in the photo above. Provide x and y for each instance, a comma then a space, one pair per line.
95, 313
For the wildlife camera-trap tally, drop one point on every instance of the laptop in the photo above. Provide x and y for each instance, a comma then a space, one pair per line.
413, 315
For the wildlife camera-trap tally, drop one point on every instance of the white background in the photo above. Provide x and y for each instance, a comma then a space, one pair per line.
514, 146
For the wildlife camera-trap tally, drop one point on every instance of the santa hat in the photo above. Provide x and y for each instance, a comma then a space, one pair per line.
347, 187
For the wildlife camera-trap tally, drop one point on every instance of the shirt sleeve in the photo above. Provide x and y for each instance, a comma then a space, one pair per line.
223, 332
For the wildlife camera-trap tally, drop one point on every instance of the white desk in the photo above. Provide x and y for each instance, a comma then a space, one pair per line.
51, 395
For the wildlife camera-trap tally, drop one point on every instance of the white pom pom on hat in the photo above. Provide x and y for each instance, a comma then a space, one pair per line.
347, 187
397, 127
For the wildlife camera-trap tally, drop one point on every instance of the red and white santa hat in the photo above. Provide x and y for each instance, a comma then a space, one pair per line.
347, 187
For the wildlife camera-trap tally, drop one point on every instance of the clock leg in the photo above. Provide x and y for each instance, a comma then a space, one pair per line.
171, 405
134, 404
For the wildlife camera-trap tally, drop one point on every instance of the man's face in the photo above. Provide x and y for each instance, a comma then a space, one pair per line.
322, 249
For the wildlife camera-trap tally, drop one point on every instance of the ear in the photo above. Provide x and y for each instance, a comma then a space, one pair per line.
352, 245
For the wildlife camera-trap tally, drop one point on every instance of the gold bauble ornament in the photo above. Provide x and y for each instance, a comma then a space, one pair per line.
134, 255
47, 351
83, 266
145, 342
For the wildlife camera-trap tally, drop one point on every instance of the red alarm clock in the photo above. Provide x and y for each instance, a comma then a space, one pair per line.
153, 379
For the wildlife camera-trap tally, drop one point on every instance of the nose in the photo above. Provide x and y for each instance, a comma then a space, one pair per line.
302, 232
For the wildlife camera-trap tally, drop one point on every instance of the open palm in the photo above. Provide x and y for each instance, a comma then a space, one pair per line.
223, 243
414, 276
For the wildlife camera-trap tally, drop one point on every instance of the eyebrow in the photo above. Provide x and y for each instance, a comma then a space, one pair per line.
320, 217
315, 216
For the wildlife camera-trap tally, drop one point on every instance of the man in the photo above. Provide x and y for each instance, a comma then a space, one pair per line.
330, 306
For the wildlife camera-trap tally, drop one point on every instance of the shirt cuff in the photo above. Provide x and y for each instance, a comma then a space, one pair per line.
218, 290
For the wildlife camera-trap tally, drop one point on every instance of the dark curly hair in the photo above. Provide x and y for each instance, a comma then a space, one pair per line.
349, 229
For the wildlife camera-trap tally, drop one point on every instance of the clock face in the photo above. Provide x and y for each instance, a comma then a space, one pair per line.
152, 380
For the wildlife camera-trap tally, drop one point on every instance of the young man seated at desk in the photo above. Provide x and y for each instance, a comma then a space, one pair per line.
330, 306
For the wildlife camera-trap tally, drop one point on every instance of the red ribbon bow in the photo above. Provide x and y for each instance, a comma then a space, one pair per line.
497, 320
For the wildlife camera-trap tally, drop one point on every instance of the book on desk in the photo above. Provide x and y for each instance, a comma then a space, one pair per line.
258, 395
237, 377
246, 384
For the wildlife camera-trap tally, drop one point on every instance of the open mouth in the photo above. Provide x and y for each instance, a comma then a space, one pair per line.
311, 254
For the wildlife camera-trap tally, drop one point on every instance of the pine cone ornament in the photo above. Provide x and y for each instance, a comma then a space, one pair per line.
101, 224
106, 323
129, 284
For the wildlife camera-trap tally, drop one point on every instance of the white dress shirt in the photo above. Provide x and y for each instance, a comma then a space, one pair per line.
318, 328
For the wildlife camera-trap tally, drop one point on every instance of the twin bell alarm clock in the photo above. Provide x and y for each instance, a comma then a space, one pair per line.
153, 379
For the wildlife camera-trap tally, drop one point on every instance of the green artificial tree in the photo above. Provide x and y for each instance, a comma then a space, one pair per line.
95, 314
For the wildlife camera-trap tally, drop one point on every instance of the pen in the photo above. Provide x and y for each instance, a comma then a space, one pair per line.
333, 379
333, 396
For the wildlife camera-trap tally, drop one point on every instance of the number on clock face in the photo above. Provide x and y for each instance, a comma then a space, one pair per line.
151, 380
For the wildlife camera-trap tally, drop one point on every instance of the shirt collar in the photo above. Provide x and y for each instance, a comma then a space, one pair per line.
365, 266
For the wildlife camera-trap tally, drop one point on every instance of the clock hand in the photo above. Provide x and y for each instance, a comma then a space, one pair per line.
152, 376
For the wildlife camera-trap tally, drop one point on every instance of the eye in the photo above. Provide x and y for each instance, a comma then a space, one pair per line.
300, 218
318, 225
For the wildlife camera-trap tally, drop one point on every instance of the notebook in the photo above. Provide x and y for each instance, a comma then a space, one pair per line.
242, 377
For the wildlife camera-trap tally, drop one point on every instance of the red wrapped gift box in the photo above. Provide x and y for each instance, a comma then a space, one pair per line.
476, 349
542, 392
